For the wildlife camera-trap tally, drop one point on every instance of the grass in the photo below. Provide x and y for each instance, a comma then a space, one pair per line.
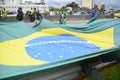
112, 73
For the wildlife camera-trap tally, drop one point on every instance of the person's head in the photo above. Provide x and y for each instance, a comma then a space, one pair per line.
20, 9
95, 9
62, 11
34, 9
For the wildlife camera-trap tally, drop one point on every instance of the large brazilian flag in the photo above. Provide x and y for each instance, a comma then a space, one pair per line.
25, 50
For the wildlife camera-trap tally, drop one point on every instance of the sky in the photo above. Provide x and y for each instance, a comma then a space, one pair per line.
59, 3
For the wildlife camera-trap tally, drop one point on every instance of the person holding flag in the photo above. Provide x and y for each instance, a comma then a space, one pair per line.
63, 17
4, 12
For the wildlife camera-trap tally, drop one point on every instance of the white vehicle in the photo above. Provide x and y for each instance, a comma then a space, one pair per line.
80, 13
69, 9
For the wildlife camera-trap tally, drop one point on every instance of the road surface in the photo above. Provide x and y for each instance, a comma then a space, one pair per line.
68, 22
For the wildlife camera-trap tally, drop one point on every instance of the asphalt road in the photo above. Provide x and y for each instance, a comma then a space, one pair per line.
68, 22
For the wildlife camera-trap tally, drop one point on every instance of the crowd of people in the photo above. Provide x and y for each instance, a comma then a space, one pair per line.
35, 16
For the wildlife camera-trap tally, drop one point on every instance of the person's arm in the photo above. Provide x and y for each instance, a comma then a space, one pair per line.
17, 17
40, 15
22, 15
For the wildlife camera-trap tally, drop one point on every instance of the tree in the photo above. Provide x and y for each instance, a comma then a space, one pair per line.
63, 8
73, 5
52, 9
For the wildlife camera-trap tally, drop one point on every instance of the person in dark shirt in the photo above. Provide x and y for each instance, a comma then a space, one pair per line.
36, 16
20, 14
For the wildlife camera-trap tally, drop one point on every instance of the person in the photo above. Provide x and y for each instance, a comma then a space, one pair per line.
63, 17
117, 14
18, 9
4, 12
0, 13
20, 14
36, 16
31, 15
94, 13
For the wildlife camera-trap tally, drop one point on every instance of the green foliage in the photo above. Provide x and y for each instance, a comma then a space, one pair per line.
112, 73
52, 8
63, 8
73, 5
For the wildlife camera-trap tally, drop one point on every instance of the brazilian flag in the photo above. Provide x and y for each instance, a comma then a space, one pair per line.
25, 50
